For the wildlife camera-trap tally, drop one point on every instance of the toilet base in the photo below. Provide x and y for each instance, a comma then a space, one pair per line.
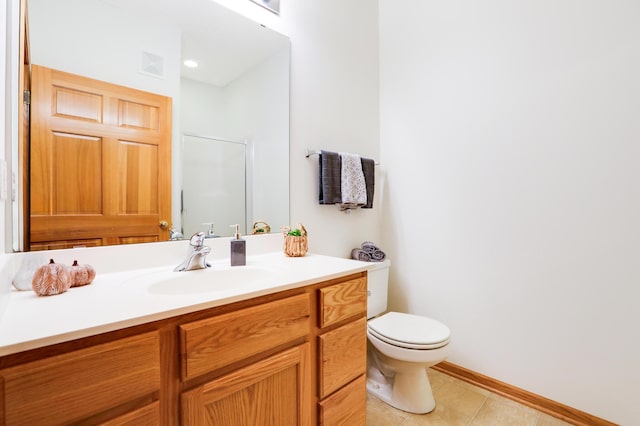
407, 391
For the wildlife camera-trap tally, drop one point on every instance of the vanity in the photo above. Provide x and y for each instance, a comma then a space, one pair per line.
280, 341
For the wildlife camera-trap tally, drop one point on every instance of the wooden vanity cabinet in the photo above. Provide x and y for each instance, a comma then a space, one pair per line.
297, 357
342, 349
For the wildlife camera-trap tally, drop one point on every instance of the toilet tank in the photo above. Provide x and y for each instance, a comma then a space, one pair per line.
377, 287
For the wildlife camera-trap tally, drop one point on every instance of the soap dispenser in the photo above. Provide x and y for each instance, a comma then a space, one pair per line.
238, 249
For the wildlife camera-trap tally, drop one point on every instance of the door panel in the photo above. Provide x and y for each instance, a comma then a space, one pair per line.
75, 104
135, 115
77, 171
137, 175
100, 162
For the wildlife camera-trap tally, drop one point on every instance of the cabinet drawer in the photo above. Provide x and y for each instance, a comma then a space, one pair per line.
224, 339
343, 300
348, 406
79, 384
343, 355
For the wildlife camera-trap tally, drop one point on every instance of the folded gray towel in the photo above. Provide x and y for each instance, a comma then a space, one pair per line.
373, 251
369, 247
378, 256
359, 254
330, 178
369, 169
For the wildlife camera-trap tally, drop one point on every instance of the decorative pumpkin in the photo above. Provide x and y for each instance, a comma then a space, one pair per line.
81, 274
50, 279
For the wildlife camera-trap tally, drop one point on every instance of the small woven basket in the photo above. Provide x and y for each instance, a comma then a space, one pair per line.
295, 246
261, 227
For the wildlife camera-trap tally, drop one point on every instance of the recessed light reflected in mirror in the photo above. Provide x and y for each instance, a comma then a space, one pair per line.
190, 63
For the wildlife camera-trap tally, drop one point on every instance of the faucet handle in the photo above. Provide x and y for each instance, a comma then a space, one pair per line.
197, 239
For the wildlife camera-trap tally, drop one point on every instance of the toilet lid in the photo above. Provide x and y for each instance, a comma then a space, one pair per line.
409, 331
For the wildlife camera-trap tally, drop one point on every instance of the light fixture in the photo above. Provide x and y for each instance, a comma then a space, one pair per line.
190, 63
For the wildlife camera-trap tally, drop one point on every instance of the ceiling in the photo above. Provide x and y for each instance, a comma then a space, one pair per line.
224, 43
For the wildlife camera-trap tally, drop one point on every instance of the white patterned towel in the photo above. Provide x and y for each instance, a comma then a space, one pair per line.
352, 183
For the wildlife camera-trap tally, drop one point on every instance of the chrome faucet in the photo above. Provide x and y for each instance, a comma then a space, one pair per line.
196, 256
175, 235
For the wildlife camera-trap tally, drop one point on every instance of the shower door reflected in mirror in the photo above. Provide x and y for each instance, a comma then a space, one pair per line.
214, 184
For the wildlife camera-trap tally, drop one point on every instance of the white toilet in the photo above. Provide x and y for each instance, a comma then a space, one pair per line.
400, 347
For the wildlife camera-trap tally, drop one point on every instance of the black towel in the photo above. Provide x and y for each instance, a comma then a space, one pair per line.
369, 169
330, 176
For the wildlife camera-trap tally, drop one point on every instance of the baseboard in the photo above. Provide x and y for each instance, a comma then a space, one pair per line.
522, 396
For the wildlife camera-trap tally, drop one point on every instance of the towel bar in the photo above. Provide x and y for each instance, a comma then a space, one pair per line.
309, 152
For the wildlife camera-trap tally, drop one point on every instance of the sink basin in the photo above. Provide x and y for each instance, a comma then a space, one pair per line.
216, 278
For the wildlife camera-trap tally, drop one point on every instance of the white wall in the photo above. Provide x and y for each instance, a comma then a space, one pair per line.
510, 133
258, 104
203, 109
334, 106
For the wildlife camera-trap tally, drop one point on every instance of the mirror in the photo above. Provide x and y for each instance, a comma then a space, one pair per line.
230, 115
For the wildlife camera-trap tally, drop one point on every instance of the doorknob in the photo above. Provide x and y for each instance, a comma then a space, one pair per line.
164, 224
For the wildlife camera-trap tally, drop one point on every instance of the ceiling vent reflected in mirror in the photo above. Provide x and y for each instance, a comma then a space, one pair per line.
151, 64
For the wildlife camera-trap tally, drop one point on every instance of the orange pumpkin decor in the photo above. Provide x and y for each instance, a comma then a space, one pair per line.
51, 279
81, 274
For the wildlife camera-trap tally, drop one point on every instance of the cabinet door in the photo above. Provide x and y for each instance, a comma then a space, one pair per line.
274, 391
343, 356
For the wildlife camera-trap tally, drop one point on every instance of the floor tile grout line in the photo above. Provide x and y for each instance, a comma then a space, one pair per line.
486, 398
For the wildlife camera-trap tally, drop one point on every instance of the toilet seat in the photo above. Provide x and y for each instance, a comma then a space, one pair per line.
409, 331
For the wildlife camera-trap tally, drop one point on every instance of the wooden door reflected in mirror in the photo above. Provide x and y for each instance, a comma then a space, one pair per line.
100, 162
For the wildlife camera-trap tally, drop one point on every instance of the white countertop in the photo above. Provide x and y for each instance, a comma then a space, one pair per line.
117, 300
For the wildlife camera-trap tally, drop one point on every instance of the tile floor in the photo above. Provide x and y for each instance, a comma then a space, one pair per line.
460, 403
